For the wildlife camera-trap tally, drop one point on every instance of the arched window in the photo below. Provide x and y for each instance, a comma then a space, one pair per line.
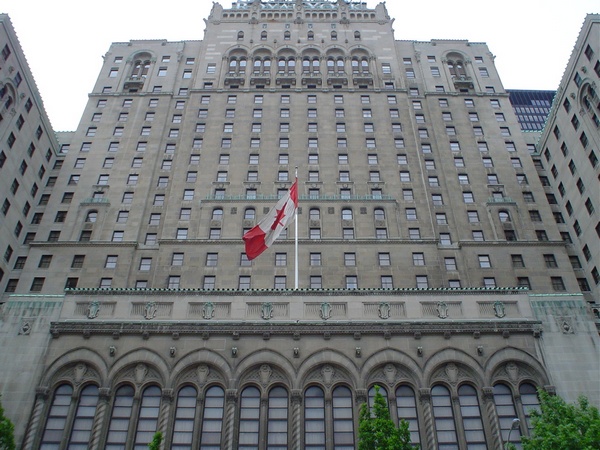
306, 65
334, 35
316, 65
354, 65
91, 216
249, 214
379, 214
471, 417
240, 35
406, 408
311, 35
343, 423
217, 214
212, 420
340, 64
291, 65
141, 66
242, 65
357, 35
249, 418
257, 65
504, 216
119, 421
456, 65
371, 397
281, 65
530, 401
445, 427
505, 408
57, 417
286, 36
347, 214
263, 36
233, 64
314, 418
314, 214
364, 65
277, 420
84, 417
185, 415
147, 417
267, 66
330, 65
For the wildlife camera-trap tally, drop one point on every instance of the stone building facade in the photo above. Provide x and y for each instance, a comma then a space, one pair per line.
429, 260
568, 157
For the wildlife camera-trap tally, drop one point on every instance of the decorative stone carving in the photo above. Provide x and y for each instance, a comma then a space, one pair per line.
208, 310
296, 397
361, 396
79, 372
141, 370
499, 309
327, 373
566, 327
25, 328
384, 310
452, 372
442, 310
391, 372
325, 311
150, 310
266, 310
93, 309
202, 372
512, 370
264, 374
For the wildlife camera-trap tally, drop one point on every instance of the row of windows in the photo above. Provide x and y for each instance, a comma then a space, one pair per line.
195, 424
287, 99
314, 281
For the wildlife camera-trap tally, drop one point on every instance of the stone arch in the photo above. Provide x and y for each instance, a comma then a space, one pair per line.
456, 62
514, 366
327, 357
265, 368
141, 63
56, 369
217, 365
8, 94
139, 367
403, 368
465, 367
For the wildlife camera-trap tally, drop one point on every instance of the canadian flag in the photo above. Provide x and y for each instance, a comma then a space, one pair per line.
259, 238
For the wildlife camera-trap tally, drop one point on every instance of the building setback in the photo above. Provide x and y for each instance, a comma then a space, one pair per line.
429, 261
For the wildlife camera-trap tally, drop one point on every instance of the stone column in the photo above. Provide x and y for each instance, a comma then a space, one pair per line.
41, 397
490, 410
425, 399
231, 398
100, 418
296, 401
165, 412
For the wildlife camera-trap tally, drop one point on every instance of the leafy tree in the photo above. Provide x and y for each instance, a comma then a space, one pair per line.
377, 430
7, 438
563, 426
156, 441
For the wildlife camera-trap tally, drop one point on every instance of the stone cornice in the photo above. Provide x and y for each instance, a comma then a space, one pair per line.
84, 244
236, 329
299, 292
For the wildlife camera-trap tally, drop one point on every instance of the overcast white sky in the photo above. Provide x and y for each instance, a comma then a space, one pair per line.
64, 40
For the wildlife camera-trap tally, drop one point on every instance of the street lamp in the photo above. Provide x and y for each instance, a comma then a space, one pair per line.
514, 425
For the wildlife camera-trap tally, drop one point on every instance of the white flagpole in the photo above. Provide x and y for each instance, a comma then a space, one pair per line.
296, 241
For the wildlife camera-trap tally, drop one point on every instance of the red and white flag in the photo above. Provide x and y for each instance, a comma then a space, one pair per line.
259, 238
